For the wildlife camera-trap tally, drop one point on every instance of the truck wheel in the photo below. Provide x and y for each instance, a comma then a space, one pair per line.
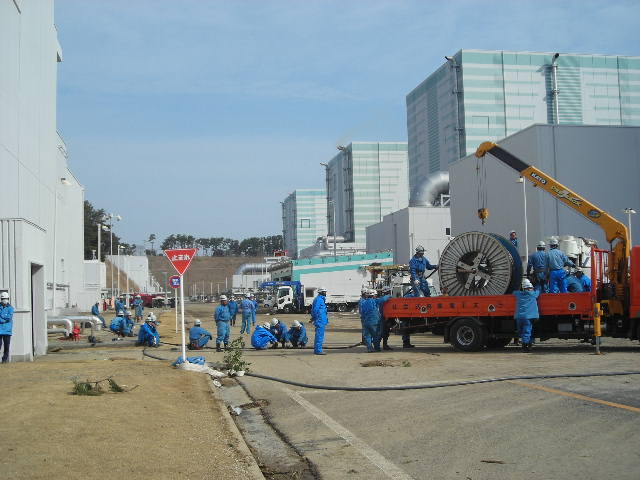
498, 342
342, 307
287, 309
467, 335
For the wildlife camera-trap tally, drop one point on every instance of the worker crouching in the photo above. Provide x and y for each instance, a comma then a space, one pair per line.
279, 330
198, 336
148, 335
298, 335
262, 337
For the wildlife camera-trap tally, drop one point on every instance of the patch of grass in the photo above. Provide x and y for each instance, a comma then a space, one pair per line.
86, 388
406, 363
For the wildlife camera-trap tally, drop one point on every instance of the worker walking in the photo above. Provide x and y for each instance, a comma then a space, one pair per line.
417, 266
95, 311
198, 336
222, 316
148, 335
557, 261
320, 319
262, 337
279, 330
298, 335
233, 309
247, 308
370, 312
138, 306
526, 313
538, 267
6, 325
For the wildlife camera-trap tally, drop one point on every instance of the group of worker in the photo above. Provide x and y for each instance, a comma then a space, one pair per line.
546, 269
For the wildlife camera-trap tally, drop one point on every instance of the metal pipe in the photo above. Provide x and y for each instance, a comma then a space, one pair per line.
60, 321
58, 330
428, 192
555, 91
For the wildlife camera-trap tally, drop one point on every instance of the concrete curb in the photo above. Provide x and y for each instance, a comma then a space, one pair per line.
253, 467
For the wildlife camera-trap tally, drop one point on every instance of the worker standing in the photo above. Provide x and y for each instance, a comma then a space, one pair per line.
138, 306
319, 319
417, 266
119, 304
385, 325
557, 261
198, 336
233, 309
538, 264
526, 312
6, 325
255, 310
513, 238
222, 316
370, 312
95, 311
247, 307
298, 335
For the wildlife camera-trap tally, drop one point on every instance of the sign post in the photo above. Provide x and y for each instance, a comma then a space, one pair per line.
181, 258
174, 282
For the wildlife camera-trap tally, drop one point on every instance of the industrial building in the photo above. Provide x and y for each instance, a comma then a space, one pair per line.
479, 95
599, 163
304, 219
365, 181
41, 202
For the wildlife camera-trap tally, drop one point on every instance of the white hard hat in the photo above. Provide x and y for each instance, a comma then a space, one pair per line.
120, 312
197, 322
275, 321
127, 313
5, 295
364, 290
296, 323
223, 297
266, 325
553, 241
526, 283
322, 289
511, 231
373, 291
541, 244
247, 295
419, 248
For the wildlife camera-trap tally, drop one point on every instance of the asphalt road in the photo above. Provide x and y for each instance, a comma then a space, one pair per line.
534, 429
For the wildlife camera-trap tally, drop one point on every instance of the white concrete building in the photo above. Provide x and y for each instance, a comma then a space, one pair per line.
136, 267
599, 163
41, 209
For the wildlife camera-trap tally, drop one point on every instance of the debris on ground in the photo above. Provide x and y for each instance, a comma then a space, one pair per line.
380, 363
494, 461
235, 410
255, 404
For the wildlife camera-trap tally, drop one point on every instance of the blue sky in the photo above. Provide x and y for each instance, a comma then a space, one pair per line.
200, 116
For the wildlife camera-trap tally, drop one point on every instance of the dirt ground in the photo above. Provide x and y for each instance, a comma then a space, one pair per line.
170, 426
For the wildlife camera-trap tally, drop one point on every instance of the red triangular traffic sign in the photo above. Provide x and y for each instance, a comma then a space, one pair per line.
181, 258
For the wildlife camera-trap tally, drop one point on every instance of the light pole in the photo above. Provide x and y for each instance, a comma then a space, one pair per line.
118, 283
526, 226
110, 217
333, 205
629, 211
331, 202
101, 227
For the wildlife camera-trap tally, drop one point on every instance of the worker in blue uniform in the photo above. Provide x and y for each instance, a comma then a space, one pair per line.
222, 316
262, 337
128, 324
584, 280
538, 268
148, 335
247, 308
526, 312
119, 304
138, 306
557, 261
370, 313
417, 266
280, 331
95, 311
573, 284
513, 238
198, 336
6, 325
298, 335
320, 319
118, 324
255, 310
233, 309
385, 324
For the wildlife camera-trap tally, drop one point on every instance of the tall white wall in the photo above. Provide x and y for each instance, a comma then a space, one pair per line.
137, 269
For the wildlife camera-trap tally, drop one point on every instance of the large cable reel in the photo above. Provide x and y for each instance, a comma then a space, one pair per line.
476, 263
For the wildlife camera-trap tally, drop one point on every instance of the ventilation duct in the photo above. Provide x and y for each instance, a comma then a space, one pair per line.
427, 193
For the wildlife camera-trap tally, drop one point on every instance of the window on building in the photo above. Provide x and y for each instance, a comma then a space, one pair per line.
447, 231
305, 223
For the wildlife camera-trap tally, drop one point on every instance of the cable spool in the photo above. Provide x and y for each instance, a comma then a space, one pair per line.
476, 263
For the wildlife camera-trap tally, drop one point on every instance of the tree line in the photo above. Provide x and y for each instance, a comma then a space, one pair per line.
93, 217
221, 246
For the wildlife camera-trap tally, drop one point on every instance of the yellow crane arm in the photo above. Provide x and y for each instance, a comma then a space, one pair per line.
613, 229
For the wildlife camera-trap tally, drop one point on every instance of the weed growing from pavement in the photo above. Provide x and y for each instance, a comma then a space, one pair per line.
93, 388
233, 360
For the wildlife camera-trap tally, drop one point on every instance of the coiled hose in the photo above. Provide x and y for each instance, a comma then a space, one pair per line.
424, 386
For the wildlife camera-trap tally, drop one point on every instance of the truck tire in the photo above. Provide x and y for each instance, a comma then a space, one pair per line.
498, 342
468, 335
342, 307
287, 309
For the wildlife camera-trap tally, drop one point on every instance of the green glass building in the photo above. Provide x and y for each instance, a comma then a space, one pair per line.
479, 95
304, 219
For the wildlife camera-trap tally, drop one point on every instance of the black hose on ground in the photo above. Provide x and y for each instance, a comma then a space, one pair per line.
439, 385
